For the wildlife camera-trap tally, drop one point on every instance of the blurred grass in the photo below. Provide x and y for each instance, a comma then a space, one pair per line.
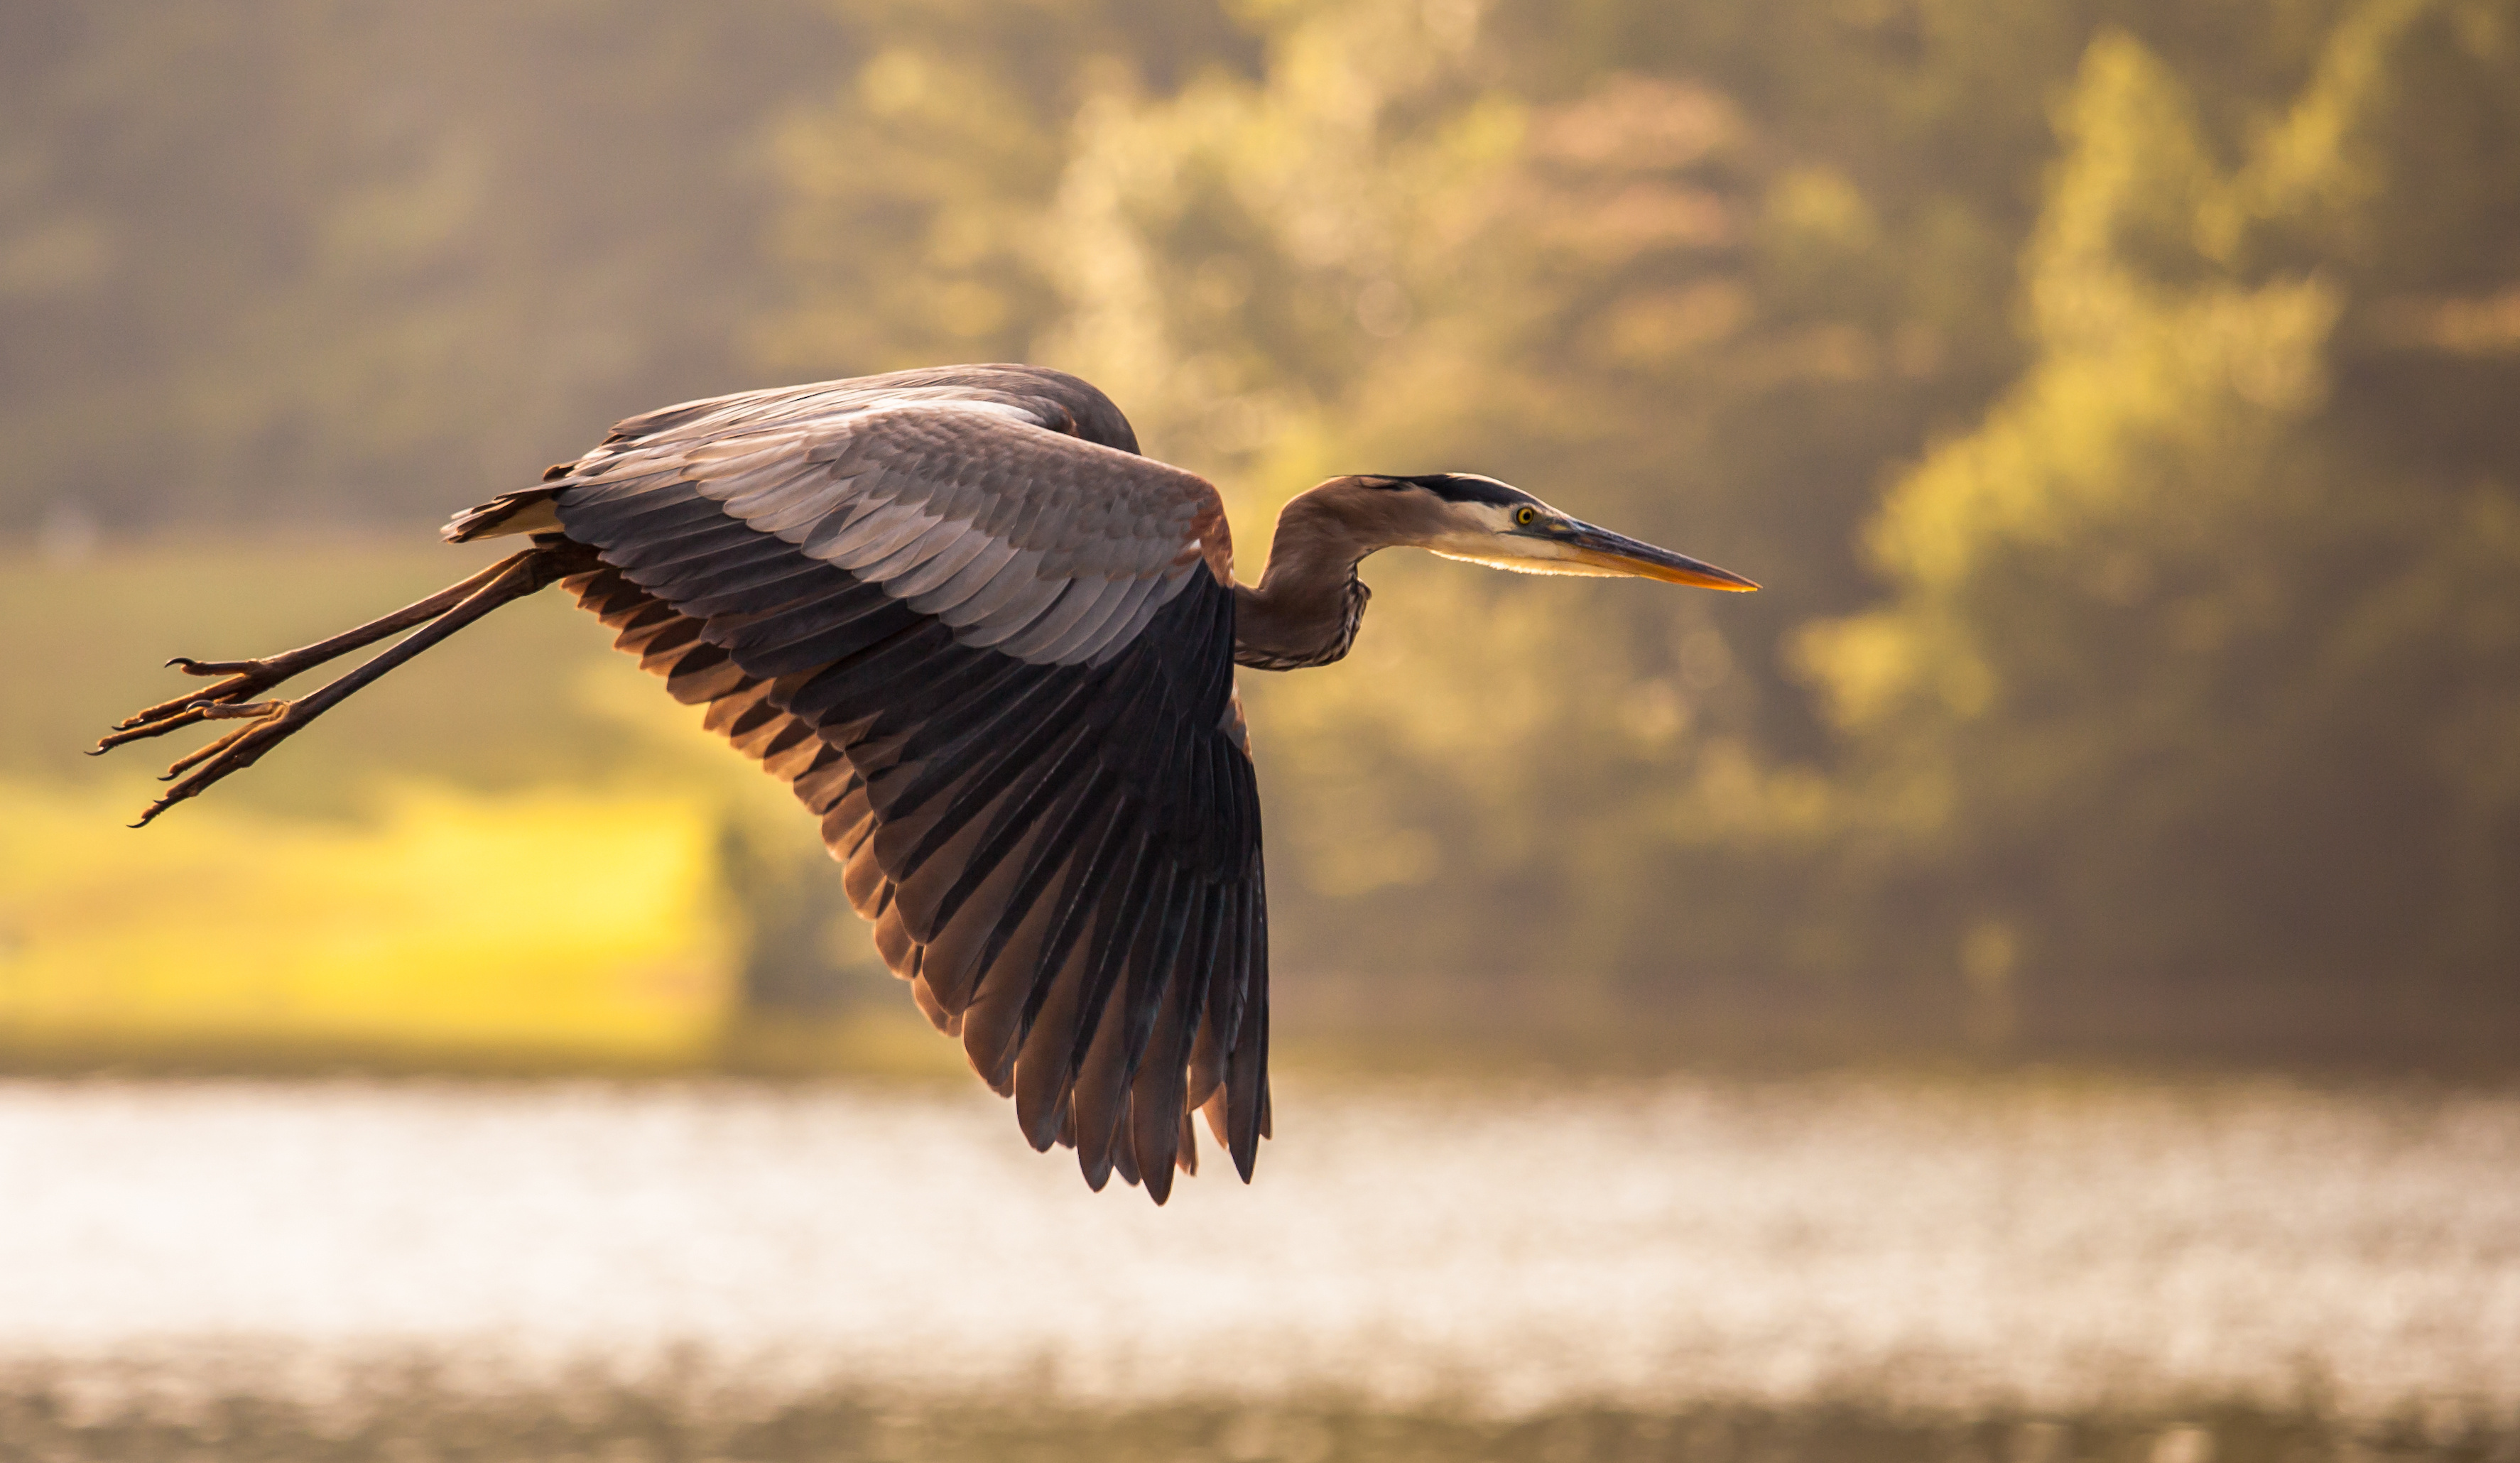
412, 1418
552, 927
504, 704
462, 865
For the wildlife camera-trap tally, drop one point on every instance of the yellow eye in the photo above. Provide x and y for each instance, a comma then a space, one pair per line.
1526, 515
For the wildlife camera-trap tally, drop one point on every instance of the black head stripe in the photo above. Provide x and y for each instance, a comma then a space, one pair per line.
1460, 487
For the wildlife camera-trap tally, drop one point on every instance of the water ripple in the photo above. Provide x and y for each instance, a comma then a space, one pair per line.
1965, 1245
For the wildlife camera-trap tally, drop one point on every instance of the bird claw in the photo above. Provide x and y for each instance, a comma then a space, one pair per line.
191, 667
267, 722
141, 727
244, 678
267, 725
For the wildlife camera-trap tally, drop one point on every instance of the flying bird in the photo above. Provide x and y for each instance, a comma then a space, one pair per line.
992, 648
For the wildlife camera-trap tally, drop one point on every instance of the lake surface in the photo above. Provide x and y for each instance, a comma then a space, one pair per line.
2025, 1245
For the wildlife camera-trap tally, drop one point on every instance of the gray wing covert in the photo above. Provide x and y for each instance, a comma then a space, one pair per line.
996, 659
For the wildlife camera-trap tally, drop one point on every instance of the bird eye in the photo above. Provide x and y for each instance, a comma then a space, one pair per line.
1526, 515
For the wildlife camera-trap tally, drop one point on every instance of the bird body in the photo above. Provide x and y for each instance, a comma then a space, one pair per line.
991, 647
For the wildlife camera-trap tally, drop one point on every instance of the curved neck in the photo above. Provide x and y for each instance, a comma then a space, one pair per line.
1308, 604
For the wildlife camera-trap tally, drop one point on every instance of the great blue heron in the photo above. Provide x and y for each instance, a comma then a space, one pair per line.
992, 649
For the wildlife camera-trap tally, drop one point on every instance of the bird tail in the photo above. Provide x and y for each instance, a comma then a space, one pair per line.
529, 511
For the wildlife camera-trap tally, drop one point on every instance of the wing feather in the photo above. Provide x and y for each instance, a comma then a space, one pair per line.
1123, 626
1076, 605
914, 554
776, 584
1084, 634
1064, 992
804, 499
1104, 1049
1026, 601
958, 588
875, 537
964, 545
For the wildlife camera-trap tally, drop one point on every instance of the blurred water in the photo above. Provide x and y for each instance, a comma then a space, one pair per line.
2036, 1246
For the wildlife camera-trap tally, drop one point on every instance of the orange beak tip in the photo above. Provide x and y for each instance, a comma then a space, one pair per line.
1725, 580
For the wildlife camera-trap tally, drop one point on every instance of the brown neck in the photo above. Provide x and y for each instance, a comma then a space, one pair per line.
1306, 607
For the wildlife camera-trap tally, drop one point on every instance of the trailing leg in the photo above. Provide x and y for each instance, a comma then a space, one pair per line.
268, 723
248, 678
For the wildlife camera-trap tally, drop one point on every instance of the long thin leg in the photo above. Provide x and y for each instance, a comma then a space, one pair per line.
268, 724
248, 678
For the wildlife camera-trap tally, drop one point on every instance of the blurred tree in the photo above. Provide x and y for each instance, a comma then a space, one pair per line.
306, 260
1417, 235
1712, 272
911, 197
2198, 693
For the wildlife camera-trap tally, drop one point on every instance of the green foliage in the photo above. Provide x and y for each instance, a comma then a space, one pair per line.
2195, 692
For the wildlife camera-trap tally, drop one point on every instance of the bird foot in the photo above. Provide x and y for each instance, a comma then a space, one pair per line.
268, 723
244, 678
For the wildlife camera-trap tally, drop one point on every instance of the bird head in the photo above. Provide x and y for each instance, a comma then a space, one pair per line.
1483, 521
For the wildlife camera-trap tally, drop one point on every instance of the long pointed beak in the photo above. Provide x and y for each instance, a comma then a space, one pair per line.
1617, 554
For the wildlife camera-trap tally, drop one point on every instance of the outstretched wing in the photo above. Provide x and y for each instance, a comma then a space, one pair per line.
992, 649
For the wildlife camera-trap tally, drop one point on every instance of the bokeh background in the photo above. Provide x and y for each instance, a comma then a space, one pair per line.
2110, 810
